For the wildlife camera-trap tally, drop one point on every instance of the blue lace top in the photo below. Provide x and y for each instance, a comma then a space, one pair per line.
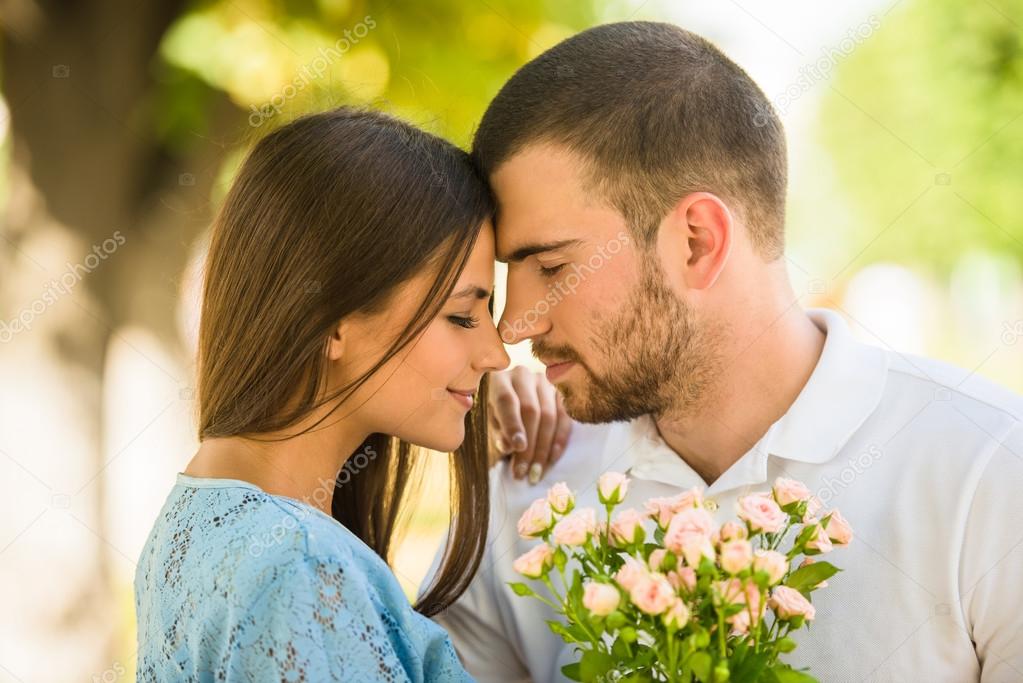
235, 584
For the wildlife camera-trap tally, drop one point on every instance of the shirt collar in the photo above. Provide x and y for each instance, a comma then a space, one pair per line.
843, 390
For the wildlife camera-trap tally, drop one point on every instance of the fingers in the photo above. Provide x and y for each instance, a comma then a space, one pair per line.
507, 430
524, 384
527, 420
561, 432
541, 444
495, 447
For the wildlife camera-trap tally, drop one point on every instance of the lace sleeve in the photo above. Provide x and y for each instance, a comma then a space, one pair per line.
315, 621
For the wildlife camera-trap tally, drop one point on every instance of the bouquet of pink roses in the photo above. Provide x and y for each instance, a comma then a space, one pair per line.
666, 595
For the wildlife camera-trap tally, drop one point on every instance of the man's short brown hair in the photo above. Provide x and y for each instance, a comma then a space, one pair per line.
657, 112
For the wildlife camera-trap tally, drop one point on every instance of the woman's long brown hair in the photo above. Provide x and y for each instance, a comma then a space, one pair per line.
327, 216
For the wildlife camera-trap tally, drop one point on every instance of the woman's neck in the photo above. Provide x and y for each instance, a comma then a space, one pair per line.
303, 467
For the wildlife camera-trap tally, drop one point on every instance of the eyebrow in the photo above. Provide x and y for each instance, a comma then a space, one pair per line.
474, 291
524, 252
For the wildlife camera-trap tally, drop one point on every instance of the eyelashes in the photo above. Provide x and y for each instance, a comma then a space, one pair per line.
467, 322
552, 271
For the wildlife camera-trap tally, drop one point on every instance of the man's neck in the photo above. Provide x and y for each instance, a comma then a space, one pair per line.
760, 378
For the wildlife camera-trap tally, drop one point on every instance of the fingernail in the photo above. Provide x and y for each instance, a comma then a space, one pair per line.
501, 445
519, 441
535, 472
520, 470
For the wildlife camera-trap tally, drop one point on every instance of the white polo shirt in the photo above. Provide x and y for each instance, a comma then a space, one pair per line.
925, 461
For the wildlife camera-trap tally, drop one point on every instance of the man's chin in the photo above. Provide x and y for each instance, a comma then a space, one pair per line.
581, 407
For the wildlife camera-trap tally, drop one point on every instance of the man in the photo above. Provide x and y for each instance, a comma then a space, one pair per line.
640, 178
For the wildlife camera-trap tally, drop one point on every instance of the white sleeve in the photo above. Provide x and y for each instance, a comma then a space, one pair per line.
487, 651
991, 565
490, 649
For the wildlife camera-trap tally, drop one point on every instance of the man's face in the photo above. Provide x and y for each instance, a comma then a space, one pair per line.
617, 341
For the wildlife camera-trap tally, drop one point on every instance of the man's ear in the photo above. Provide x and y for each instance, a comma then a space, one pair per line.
336, 344
706, 228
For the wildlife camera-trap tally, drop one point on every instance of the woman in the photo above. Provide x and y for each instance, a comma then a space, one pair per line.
345, 324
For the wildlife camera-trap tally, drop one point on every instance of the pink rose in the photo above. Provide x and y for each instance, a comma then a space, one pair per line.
600, 598
652, 594
838, 529
560, 498
732, 530
627, 527
663, 509
693, 498
730, 591
656, 558
534, 563
761, 513
771, 561
736, 555
749, 596
789, 491
694, 548
685, 524
536, 520
576, 528
788, 603
612, 487
683, 578
813, 506
740, 622
676, 616
819, 541
631, 573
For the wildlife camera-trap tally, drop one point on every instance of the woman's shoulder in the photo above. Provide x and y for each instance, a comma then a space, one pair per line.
228, 522
253, 574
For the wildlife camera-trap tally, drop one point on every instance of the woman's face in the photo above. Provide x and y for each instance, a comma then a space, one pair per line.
424, 392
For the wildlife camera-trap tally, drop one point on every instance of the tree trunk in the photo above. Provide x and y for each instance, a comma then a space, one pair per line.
90, 183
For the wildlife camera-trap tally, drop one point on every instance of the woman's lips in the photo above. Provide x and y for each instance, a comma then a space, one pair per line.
464, 399
558, 370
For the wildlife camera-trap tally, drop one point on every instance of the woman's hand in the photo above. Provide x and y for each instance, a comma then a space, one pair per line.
527, 421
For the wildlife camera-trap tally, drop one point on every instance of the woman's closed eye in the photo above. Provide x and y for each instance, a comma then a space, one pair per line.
466, 321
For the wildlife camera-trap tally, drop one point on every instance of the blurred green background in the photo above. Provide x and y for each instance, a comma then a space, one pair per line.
121, 125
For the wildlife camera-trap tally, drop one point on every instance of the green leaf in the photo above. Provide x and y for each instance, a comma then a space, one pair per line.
620, 649
749, 670
521, 589
570, 633
560, 559
786, 674
701, 663
809, 576
571, 671
594, 665
615, 620
786, 644
575, 593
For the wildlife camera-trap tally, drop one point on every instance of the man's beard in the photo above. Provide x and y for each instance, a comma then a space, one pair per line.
658, 358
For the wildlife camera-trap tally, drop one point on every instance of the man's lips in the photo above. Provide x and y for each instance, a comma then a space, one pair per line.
558, 369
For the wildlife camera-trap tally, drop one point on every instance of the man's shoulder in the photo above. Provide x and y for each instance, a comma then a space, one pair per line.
947, 382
